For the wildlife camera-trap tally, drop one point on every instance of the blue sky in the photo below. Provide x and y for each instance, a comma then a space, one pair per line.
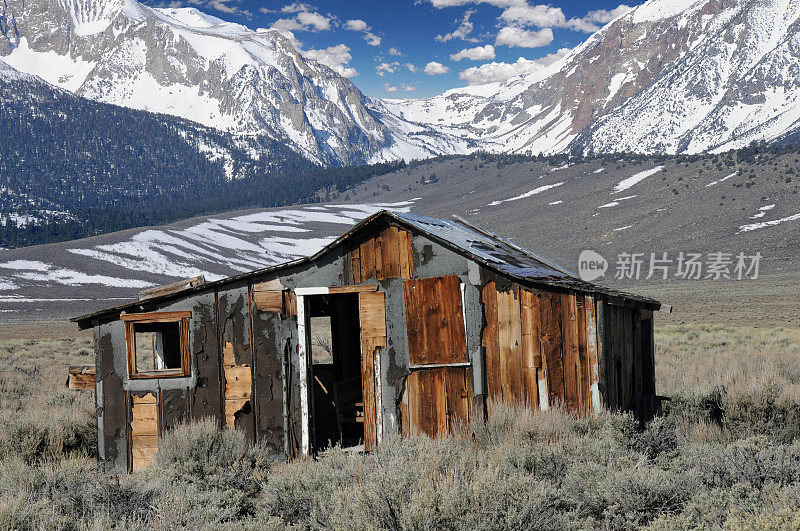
424, 47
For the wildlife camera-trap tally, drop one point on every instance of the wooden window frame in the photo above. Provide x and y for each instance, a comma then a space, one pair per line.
182, 318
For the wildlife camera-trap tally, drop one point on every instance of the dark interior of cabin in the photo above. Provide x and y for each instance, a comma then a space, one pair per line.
338, 404
157, 346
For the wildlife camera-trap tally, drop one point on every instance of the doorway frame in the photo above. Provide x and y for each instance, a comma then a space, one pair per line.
304, 353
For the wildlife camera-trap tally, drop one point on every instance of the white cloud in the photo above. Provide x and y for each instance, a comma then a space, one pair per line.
315, 20
594, 20
395, 51
360, 25
303, 21
386, 68
389, 88
295, 7
463, 30
539, 16
335, 57
356, 25
411, 67
513, 36
433, 68
493, 72
407, 88
542, 16
287, 24
479, 53
519, 13
603, 16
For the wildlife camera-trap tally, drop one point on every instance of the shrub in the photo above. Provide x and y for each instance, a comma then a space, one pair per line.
200, 450
32, 440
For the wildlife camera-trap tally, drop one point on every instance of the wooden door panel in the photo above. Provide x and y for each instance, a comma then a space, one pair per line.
435, 321
438, 399
372, 318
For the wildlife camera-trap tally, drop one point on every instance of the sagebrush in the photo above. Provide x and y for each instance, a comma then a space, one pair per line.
725, 454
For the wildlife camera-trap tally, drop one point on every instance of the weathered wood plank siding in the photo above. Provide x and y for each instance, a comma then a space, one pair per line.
385, 255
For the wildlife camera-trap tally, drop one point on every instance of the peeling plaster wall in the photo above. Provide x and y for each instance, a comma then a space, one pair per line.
195, 393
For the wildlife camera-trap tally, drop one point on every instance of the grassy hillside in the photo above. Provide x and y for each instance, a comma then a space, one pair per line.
725, 454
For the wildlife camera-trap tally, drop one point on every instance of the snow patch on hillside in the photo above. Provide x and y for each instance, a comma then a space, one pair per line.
219, 247
624, 184
527, 194
48, 274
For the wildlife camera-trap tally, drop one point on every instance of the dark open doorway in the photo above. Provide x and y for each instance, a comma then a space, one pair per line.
338, 403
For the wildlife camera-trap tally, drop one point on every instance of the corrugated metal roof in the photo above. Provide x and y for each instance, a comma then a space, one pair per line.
507, 258
483, 246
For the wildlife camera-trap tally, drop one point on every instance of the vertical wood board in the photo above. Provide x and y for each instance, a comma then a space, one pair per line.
489, 340
372, 318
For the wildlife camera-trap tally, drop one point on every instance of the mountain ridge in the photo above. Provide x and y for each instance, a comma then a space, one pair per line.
635, 84
219, 74
666, 77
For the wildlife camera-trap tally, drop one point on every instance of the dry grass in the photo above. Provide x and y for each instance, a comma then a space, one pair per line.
743, 360
39, 416
725, 455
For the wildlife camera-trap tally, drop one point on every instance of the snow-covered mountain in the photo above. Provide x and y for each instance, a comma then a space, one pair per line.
670, 76
673, 76
185, 63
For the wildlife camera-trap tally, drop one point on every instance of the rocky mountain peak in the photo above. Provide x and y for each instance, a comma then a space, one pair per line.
671, 76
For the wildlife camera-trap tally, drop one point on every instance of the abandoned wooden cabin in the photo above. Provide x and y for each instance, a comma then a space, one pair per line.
405, 324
